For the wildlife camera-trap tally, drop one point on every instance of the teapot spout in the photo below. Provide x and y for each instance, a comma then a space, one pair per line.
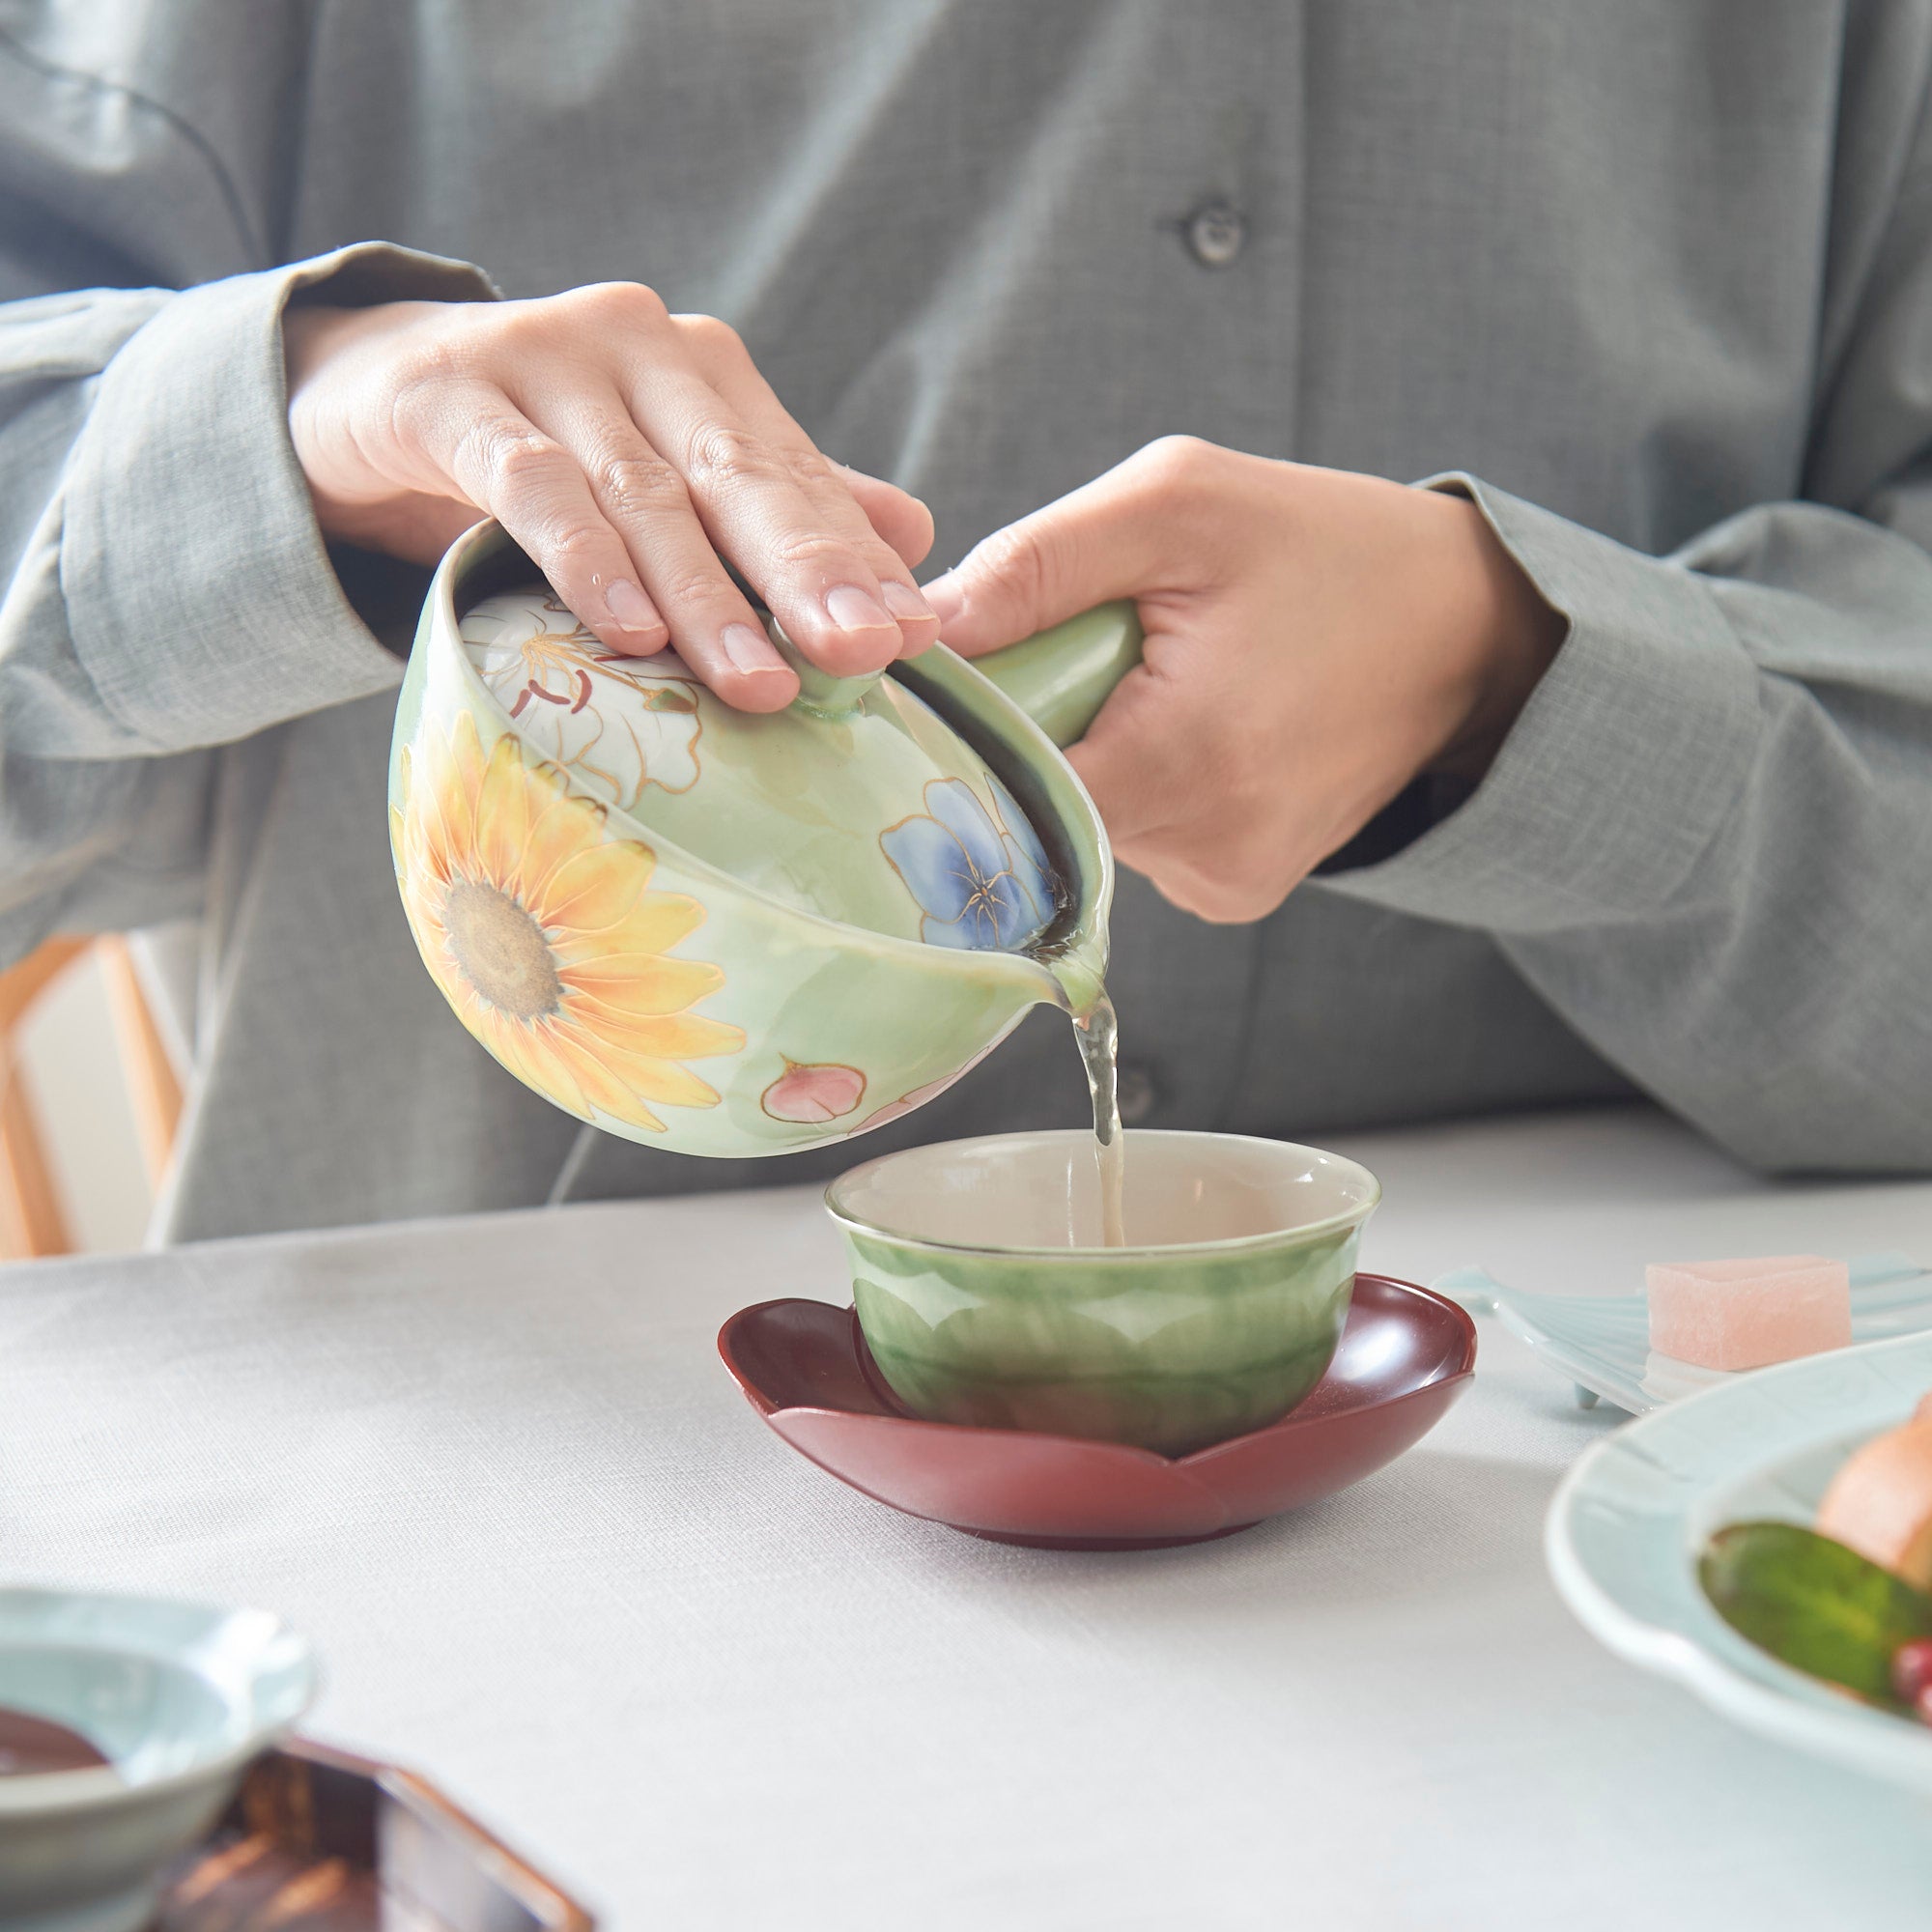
1061, 677
1078, 972
1068, 958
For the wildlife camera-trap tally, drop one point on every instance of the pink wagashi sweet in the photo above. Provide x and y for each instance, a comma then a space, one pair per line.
1748, 1314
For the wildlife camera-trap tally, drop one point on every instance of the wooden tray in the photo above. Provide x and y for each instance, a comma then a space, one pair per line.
319, 1841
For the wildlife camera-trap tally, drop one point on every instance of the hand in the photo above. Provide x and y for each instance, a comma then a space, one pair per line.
624, 448
1315, 639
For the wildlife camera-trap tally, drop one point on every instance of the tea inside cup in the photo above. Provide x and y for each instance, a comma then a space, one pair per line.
986, 1296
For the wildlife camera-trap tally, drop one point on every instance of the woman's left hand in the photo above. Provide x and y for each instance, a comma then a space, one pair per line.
1315, 640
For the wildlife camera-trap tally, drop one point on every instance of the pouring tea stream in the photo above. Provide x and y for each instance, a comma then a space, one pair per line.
737, 935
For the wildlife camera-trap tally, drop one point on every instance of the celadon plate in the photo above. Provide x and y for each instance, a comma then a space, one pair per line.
1627, 1526
1602, 1342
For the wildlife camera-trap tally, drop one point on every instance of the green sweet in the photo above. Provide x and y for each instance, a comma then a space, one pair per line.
1813, 1603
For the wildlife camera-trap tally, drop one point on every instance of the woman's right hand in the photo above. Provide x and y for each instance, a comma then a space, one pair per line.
625, 448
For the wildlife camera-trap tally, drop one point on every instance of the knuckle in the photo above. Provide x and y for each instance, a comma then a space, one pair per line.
621, 304
723, 456
807, 467
640, 485
518, 459
1172, 465
1017, 560
711, 336
516, 327
687, 587
1175, 452
480, 440
574, 550
813, 550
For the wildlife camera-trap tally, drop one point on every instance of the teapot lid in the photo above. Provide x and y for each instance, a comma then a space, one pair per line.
858, 803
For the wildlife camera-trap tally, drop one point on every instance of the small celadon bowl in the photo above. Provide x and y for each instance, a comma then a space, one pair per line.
175, 1697
986, 1296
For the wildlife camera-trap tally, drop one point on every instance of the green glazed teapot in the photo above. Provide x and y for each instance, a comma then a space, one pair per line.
731, 934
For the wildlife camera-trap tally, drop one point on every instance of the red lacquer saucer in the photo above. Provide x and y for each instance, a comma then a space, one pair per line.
1405, 1356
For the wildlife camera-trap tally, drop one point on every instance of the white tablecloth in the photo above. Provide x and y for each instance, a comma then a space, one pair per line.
497, 1471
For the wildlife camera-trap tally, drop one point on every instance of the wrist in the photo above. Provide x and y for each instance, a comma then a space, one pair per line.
314, 338
1503, 636
334, 361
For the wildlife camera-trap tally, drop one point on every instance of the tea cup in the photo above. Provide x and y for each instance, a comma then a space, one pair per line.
988, 1298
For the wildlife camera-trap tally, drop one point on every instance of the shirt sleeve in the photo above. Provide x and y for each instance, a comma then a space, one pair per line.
1707, 841
170, 592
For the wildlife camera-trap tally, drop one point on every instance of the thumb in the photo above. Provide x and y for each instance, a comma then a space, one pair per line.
1104, 540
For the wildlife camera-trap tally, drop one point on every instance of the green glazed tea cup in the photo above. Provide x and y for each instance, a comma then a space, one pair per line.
986, 1297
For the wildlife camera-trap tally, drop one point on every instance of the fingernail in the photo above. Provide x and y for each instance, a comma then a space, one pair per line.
631, 608
747, 649
905, 602
854, 609
945, 598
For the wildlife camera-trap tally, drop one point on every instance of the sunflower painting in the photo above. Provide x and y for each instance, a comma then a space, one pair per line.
543, 933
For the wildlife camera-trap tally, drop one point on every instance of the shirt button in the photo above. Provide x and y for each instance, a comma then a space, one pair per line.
1216, 234
1136, 1095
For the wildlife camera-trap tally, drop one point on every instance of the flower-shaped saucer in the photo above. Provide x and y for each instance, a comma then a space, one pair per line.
1405, 1354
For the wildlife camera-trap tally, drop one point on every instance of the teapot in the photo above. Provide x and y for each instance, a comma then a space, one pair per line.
736, 934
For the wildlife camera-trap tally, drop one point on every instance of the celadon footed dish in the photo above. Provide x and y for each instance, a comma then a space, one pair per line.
735, 935
177, 1697
986, 1297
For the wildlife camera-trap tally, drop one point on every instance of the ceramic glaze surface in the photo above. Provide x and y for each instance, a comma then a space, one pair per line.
621, 886
1627, 1524
176, 1696
877, 815
1602, 1342
1223, 1316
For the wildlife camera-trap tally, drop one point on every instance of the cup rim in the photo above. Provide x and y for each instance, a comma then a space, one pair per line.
1230, 1244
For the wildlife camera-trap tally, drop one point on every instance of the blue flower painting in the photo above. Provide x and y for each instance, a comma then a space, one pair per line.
981, 877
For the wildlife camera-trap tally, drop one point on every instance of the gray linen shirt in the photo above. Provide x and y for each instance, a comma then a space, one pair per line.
1659, 274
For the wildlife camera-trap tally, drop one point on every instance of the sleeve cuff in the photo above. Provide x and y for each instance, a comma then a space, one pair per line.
200, 597
1632, 750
